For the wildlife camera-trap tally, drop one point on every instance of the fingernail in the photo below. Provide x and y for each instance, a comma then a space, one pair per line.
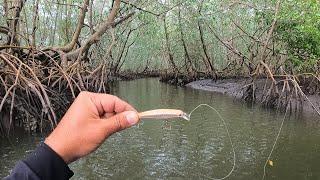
132, 117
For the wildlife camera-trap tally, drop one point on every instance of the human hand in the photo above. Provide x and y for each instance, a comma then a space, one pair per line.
89, 121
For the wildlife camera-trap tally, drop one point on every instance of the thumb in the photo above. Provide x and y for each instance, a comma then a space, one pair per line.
120, 121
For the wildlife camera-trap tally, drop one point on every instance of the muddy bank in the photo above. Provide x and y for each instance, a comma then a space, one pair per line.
235, 88
129, 75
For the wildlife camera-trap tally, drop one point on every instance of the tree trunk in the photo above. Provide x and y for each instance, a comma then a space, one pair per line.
170, 60
90, 17
207, 61
13, 11
109, 22
116, 66
189, 65
34, 22
82, 15
53, 35
67, 24
125, 56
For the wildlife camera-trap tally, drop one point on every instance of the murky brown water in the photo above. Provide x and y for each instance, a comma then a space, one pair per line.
198, 149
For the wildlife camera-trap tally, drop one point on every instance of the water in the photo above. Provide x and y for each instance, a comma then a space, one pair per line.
196, 149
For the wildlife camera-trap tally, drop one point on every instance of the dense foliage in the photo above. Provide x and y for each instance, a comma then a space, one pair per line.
51, 50
227, 27
299, 29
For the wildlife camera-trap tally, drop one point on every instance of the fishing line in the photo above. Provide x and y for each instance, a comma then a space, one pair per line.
229, 137
230, 140
274, 144
174, 113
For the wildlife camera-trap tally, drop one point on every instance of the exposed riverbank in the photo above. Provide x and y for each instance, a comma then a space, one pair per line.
234, 87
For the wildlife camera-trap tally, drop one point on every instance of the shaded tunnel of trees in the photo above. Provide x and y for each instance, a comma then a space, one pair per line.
52, 50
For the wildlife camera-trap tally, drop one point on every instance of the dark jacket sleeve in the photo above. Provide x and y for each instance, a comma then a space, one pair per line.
43, 163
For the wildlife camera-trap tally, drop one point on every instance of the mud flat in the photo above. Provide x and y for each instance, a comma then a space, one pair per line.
234, 87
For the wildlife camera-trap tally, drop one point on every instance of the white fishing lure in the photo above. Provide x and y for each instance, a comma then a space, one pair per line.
164, 114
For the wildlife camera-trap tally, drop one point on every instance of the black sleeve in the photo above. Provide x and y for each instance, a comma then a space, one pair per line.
43, 163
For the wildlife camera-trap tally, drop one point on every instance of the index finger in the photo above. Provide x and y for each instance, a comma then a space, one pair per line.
106, 103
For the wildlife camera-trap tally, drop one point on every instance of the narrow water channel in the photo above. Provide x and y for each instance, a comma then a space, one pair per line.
199, 149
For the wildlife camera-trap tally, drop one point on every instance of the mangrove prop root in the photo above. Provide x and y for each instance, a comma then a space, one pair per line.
39, 91
280, 90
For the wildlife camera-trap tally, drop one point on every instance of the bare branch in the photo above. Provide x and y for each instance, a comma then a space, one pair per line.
64, 4
94, 38
263, 55
139, 8
82, 14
